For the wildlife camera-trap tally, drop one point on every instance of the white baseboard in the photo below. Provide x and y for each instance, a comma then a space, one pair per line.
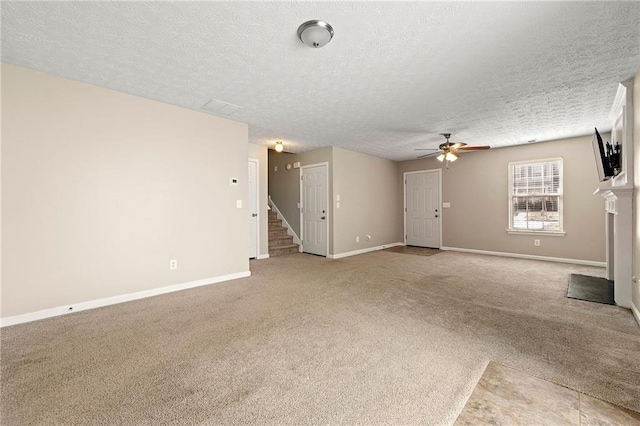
529, 256
362, 251
262, 256
92, 304
636, 312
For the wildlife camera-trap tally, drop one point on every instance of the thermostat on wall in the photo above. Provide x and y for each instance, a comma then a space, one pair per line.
233, 181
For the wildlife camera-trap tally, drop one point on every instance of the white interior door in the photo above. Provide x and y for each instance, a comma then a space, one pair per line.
252, 181
314, 209
422, 207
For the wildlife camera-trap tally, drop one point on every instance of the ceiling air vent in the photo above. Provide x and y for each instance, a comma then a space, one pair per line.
221, 108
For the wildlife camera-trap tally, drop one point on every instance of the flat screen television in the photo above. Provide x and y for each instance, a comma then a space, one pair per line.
607, 157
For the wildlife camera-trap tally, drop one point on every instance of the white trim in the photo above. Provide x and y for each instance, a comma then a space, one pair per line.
531, 232
290, 230
404, 204
619, 102
622, 110
91, 304
529, 256
636, 312
329, 205
262, 256
362, 251
257, 161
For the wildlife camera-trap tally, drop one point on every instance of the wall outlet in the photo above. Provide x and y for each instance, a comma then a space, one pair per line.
173, 264
536, 243
368, 237
357, 238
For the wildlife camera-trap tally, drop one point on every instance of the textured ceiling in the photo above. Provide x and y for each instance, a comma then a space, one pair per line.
394, 76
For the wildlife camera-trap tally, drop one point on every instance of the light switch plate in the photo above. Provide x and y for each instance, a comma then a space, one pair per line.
239, 204
446, 205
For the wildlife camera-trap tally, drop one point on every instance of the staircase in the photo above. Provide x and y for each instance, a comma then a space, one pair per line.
279, 242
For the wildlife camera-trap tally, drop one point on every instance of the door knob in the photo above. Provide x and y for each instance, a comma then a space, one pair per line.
254, 214
322, 218
436, 215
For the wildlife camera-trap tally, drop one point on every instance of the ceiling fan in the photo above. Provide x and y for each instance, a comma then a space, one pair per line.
449, 151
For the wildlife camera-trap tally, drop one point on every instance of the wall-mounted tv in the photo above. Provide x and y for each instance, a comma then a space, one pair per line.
607, 157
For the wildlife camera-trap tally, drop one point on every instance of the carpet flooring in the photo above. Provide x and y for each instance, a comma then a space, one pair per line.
376, 338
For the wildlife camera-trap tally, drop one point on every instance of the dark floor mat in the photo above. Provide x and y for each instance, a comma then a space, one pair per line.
418, 251
592, 289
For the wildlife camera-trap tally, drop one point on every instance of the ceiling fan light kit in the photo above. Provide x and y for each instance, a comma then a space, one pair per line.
449, 151
315, 33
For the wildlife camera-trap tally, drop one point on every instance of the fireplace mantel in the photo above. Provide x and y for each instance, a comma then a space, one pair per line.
613, 193
618, 224
618, 200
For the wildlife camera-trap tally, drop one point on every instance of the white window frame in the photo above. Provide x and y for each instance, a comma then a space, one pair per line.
511, 229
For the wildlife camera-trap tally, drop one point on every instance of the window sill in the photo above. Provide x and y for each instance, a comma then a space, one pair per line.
530, 232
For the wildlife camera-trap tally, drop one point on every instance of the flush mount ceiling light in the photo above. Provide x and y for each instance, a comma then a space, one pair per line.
315, 33
279, 147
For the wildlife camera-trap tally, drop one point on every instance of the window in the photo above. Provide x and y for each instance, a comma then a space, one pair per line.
535, 196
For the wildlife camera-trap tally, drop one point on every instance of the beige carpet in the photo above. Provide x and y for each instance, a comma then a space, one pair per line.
376, 338
418, 251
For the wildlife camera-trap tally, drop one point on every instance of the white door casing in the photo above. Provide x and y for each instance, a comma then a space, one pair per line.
252, 183
314, 213
423, 210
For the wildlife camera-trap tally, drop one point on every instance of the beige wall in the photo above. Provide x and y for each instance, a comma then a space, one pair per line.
101, 189
477, 188
636, 192
369, 199
367, 187
259, 152
284, 185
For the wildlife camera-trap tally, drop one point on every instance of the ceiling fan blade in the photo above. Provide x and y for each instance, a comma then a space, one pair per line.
429, 155
474, 148
457, 145
427, 149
